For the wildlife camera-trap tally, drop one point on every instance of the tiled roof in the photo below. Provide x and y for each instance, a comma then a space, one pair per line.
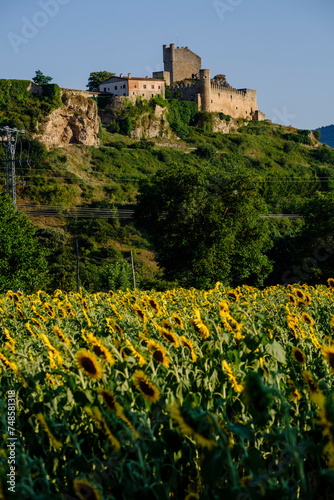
115, 78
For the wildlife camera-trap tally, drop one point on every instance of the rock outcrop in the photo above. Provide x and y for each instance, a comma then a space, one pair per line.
75, 122
152, 127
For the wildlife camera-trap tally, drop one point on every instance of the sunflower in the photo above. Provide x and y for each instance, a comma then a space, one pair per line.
187, 343
34, 320
83, 489
147, 389
96, 415
140, 313
46, 428
165, 324
292, 299
328, 353
100, 350
233, 296
89, 323
9, 364
61, 336
154, 304
299, 293
177, 320
186, 428
89, 363
192, 496
9, 338
49, 309
237, 387
224, 308
330, 282
315, 394
199, 326
158, 353
112, 323
52, 349
307, 319
298, 356
108, 398
169, 336
20, 312
128, 346
103, 352
314, 339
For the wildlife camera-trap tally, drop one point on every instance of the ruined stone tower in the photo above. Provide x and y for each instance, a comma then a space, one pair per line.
205, 89
180, 62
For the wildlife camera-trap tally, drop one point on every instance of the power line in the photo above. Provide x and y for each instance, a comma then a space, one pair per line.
8, 138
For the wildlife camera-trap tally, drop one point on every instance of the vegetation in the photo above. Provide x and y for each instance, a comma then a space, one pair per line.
182, 394
23, 110
22, 264
41, 79
281, 167
205, 226
96, 78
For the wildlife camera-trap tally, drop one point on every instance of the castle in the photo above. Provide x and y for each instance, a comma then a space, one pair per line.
183, 72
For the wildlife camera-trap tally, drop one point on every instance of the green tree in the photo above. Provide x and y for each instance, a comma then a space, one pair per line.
96, 78
314, 247
206, 226
117, 276
23, 264
41, 79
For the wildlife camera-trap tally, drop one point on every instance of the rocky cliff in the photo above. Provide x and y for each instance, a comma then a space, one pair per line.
152, 127
75, 122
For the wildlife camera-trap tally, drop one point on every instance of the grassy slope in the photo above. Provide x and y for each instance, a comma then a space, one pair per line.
110, 175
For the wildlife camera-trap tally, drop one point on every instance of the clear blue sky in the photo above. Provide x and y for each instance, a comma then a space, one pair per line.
281, 48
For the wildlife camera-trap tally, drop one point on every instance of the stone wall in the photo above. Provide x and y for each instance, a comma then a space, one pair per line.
216, 97
180, 62
233, 102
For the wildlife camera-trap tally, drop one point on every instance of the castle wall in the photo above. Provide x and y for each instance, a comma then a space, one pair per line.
164, 75
233, 102
189, 91
180, 62
219, 99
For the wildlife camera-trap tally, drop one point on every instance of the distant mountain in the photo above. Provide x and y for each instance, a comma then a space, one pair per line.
327, 135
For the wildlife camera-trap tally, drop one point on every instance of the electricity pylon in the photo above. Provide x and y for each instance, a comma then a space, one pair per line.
8, 138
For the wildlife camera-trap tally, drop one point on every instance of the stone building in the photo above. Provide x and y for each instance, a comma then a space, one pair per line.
133, 87
179, 63
183, 72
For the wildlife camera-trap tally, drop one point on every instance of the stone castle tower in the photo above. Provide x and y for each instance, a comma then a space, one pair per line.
213, 95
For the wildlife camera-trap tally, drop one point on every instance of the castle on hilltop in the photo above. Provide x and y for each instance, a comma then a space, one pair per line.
183, 72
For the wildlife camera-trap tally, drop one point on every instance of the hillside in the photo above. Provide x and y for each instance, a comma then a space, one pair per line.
327, 135
285, 165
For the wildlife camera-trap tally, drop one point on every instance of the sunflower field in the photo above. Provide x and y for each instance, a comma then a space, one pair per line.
185, 394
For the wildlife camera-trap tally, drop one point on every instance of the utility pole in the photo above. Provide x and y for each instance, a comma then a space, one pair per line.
78, 276
8, 138
133, 272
